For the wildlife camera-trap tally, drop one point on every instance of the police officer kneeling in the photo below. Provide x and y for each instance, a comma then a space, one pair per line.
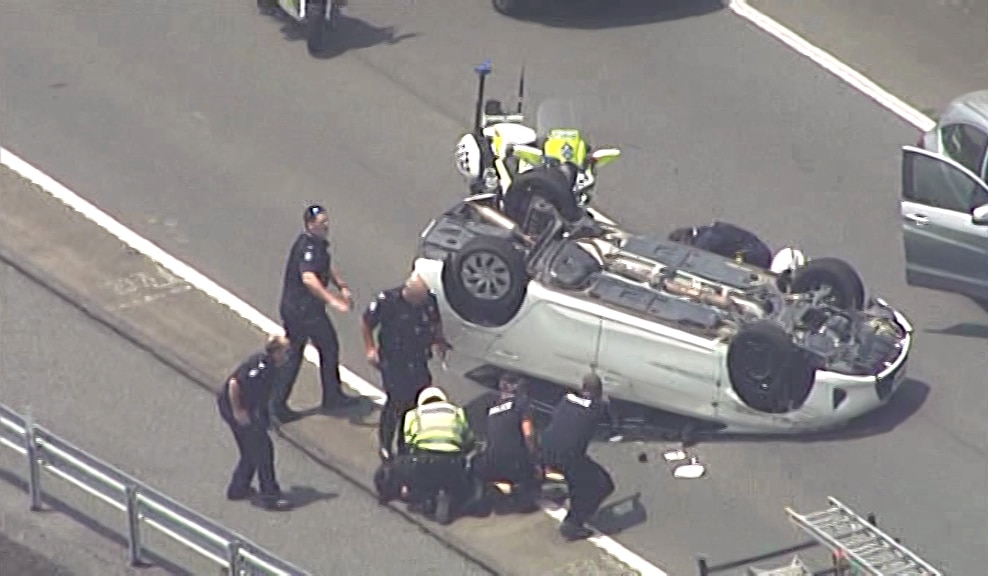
564, 448
509, 453
439, 439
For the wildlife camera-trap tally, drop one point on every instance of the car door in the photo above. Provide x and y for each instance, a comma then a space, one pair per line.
553, 338
659, 367
944, 248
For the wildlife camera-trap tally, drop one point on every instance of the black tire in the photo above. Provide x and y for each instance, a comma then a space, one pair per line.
546, 182
486, 282
767, 372
316, 27
847, 288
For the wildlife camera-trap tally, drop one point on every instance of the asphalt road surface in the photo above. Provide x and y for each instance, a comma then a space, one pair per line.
53, 356
207, 130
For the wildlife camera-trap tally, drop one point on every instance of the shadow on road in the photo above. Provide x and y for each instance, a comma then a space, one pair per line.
964, 329
350, 34
600, 14
641, 424
907, 401
302, 496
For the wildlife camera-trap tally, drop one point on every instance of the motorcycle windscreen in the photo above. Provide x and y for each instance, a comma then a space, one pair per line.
558, 124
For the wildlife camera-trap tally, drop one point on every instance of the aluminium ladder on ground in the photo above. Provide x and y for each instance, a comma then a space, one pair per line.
857, 539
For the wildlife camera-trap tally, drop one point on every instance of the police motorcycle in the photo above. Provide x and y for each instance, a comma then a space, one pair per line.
502, 147
319, 18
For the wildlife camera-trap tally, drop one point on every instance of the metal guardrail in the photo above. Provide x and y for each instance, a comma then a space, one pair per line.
144, 508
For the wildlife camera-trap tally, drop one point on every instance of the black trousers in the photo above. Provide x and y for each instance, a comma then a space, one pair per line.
301, 329
402, 380
426, 473
256, 458
587, 481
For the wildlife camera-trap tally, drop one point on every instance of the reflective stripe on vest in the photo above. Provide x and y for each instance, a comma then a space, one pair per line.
438, 428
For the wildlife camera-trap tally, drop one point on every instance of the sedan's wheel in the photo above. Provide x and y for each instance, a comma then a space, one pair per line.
766, 370
486, 276
839, 280
485, 282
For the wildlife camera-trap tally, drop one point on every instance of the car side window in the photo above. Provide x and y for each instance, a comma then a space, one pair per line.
965, 144
937, 184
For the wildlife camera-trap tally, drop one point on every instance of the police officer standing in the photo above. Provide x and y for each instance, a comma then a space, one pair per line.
564, 448
243, 405
409, 327
304, 298
510, 449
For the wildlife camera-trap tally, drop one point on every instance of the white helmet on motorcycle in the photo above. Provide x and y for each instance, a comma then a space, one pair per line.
787, 260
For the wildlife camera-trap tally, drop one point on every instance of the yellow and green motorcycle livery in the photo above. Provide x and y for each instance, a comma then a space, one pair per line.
561, 141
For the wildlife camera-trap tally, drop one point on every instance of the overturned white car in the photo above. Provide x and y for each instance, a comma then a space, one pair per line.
665, 325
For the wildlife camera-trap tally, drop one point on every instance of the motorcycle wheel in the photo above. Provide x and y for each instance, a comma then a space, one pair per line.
316, 27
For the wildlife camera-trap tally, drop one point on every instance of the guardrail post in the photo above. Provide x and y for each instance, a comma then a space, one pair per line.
134, 527
33, 464
234, 559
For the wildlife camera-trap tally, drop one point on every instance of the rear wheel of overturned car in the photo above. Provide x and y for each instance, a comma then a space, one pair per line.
485, 282
840, 278
767, 372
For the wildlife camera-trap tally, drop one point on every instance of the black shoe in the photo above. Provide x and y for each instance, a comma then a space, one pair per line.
573, 531
285, 415
235, 494
442, 512
339, 402
275, 502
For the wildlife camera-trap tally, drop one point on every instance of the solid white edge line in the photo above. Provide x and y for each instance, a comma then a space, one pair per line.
223, 296
828, 62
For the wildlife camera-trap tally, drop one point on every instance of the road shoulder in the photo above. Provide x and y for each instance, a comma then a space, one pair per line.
190, 332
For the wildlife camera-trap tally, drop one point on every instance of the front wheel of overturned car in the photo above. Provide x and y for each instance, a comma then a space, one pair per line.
840, 278
485, 282
767, 372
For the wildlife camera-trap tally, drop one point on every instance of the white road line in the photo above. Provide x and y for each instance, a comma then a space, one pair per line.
255, 317
833, 65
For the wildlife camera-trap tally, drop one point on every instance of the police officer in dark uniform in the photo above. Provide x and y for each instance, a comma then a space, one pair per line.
304, 298
510, 451
409, 328
727, 240
243, 405
564, 448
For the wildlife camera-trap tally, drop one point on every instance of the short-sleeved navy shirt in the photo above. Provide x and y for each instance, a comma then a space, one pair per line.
255, 378
574, 423
730, 241
308, 254
504, 417
407, 330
